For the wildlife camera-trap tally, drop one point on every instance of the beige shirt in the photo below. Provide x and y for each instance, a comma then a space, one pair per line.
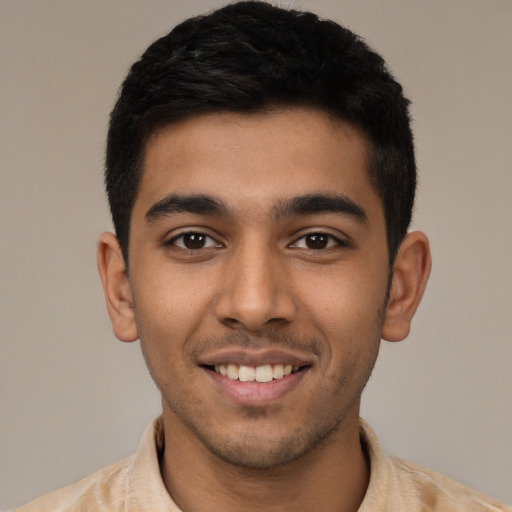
135, 485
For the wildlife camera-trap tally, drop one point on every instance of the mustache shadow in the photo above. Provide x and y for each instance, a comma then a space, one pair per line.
270, 339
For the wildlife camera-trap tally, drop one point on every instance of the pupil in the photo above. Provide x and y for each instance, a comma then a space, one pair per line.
316, 241
194, 241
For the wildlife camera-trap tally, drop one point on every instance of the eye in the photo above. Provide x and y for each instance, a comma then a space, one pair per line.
193, 241
317, 241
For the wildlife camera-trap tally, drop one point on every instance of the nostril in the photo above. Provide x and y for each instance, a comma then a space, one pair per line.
231, 322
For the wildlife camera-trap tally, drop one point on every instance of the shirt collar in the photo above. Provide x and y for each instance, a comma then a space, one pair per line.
146, 490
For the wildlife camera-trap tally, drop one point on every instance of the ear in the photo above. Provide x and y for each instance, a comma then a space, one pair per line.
116, 288
410, 275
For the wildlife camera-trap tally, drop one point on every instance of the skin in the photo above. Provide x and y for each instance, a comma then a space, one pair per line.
226, 268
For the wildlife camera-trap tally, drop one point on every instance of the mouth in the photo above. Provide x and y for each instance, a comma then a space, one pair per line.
256, 377
261, 374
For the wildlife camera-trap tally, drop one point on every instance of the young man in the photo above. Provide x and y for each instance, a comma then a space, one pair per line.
260, 172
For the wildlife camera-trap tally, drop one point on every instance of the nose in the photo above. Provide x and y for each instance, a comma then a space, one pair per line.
256, 291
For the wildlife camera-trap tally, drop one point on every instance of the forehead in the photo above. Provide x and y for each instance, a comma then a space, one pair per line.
251, 161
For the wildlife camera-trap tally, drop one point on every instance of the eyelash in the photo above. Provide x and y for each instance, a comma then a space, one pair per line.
173, 241
330, 241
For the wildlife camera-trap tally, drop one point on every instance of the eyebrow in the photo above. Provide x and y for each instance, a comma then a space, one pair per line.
308, 204
174, 203
311, 204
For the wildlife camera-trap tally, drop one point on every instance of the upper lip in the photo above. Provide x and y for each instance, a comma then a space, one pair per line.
261, 357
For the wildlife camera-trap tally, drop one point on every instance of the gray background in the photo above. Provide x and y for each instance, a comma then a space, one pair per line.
74, 399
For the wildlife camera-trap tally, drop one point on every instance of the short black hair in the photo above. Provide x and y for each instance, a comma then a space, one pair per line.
248, 57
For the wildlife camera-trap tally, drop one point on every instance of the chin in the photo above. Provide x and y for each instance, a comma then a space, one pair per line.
261, 452
252, 455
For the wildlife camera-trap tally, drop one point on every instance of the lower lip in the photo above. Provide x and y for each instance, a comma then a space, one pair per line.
256, 393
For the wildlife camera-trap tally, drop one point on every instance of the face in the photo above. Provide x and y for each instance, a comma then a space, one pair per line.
259, 275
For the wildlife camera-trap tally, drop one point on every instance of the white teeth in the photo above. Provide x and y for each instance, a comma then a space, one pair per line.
278, 371
232, 371
246, 374
263, 373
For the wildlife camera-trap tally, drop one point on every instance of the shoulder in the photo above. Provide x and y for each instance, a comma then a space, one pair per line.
402, 486
101, 490
134, 483
436, 492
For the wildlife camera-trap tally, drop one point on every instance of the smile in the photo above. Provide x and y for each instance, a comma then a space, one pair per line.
254, 379
264, 373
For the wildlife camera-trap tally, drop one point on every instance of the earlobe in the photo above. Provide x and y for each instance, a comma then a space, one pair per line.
116, 287
411, 270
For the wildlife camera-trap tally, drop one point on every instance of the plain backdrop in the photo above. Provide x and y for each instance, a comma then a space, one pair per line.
74, 399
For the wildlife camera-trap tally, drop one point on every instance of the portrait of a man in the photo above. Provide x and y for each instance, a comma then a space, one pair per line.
261, 175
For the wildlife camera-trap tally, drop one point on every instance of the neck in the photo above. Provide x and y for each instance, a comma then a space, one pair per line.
332, 477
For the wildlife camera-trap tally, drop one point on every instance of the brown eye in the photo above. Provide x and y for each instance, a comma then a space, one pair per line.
316, 241
194, 241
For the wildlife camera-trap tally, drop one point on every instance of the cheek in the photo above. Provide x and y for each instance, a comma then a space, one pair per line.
347, 311
170, 307
345, 302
